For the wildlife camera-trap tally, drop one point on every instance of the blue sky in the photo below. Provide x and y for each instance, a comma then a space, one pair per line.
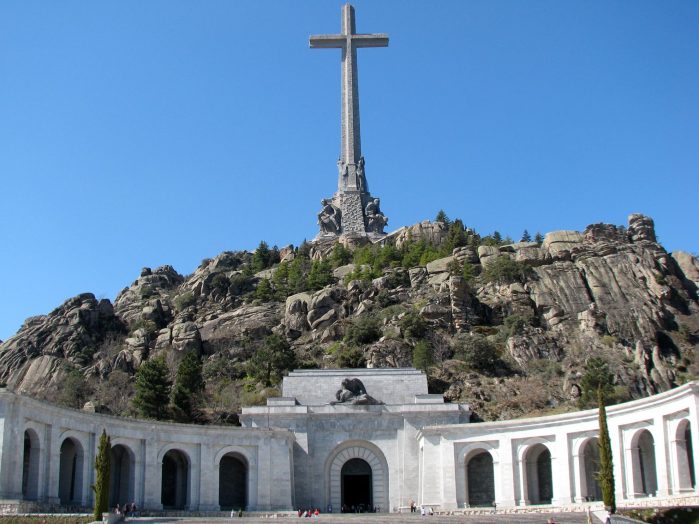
146, 133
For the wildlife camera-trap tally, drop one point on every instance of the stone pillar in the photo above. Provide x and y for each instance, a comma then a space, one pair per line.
694, 431
661, 456
89, 455
195, 468
430, 469
619, 459
10, 446
561, 471
153, 476
209, 478
140, 473
579, 480
448, 475
282, 496
505, 486
54, 458
264, 475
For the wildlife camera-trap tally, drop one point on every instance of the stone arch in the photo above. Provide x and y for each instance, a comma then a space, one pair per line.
588, 462
233, 474
122, 475
370, 454
463, 457
30, 464
70, 472
175, 479
480, 478
645, 478
684, 457
538, 475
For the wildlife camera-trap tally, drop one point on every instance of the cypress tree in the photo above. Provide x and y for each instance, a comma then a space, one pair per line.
605, 475
152, 389
102, 476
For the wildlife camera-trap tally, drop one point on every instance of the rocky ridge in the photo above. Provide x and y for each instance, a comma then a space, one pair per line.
609, 291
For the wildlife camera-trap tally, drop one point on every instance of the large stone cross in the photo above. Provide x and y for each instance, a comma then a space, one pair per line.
350, 215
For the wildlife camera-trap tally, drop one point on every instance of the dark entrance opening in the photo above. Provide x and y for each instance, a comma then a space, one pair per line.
174, 480
356, 486
232, 482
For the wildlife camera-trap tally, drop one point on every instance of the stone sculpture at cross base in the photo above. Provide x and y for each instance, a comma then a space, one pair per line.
352, 211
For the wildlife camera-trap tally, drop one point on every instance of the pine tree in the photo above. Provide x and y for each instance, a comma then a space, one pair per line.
261, 257
321, 274
442, 217
605, 475
526, 237
188, 384
271, 359
152, 389
340, 256
102, 476
497, 237
263, 291
538, 238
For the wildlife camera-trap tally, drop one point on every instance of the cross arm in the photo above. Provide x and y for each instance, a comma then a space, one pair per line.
374, 40
327, 41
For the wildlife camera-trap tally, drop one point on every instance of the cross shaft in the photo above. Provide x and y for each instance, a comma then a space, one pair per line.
351, 148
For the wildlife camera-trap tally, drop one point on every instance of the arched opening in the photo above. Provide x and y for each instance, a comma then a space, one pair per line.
356, 486
232, 482
645, 477
539, 477
175, 480
480, 480
121, 490
337, 486
590, 463
30, 466
70, 480
686, 476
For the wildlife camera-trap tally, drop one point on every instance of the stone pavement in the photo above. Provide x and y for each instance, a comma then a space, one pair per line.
394, 518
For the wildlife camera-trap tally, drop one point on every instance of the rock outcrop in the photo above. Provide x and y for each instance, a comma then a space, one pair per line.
608, 291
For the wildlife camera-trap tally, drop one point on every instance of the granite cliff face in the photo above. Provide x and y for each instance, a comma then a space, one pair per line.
507, 345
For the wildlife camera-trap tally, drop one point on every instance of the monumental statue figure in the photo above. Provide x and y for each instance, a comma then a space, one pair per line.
353, 392
352, 197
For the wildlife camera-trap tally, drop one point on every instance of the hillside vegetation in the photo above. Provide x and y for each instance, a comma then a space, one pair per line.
504, 326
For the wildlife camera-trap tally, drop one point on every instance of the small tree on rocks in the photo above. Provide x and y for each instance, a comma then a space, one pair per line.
188, 384
152, 389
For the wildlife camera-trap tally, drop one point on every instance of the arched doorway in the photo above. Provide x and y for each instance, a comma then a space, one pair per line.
480, 480
121, 476
644, 473
356, 480
337, 476
30, 466
232, 482
70, 480
686, 475
590, 463
175, 480
539, 476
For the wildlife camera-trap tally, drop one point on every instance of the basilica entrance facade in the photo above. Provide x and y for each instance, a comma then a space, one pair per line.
357, 478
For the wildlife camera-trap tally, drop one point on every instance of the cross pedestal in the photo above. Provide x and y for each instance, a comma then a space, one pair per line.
352, 210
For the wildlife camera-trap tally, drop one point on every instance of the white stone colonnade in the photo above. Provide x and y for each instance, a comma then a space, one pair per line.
553, 460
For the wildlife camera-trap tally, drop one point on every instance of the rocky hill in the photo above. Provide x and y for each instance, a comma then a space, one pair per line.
506, 327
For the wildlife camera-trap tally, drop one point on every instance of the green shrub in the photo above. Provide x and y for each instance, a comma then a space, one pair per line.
271, 359
412, 326
220, 282
349, 357
477, 352
185, 300
422, 355
514, 325
504, 270
363, 330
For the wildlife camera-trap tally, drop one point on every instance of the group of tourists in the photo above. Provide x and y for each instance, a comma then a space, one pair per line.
125, 510
309, 512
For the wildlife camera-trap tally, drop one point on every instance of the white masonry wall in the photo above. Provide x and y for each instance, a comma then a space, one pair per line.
267, 453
